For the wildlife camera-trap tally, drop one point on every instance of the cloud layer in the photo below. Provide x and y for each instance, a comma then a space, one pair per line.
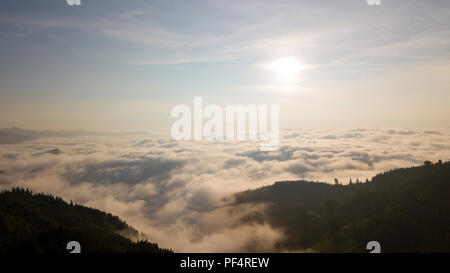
179, 193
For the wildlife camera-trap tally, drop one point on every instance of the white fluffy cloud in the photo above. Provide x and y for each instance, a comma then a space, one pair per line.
179, 193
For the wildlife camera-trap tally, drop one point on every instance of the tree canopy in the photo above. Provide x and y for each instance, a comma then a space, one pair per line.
406, 210
45, 223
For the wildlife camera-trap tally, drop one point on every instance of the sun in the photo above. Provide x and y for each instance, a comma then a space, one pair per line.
286, 69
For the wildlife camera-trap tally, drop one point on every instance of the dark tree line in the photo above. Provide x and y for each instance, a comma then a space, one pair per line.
406, 210
45, 223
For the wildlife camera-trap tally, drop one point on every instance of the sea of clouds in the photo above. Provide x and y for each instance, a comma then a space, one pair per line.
179, 193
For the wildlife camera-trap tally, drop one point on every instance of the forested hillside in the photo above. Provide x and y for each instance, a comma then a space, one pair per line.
44, 223
406, 210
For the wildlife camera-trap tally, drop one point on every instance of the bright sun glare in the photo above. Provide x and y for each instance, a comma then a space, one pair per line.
286, 69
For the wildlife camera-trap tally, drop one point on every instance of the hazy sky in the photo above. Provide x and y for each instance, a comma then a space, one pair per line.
112, 65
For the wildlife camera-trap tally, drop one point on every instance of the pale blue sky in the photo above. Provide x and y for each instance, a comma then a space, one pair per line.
121, 65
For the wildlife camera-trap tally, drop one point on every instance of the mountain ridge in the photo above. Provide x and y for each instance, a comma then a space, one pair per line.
406, 210
44, 223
